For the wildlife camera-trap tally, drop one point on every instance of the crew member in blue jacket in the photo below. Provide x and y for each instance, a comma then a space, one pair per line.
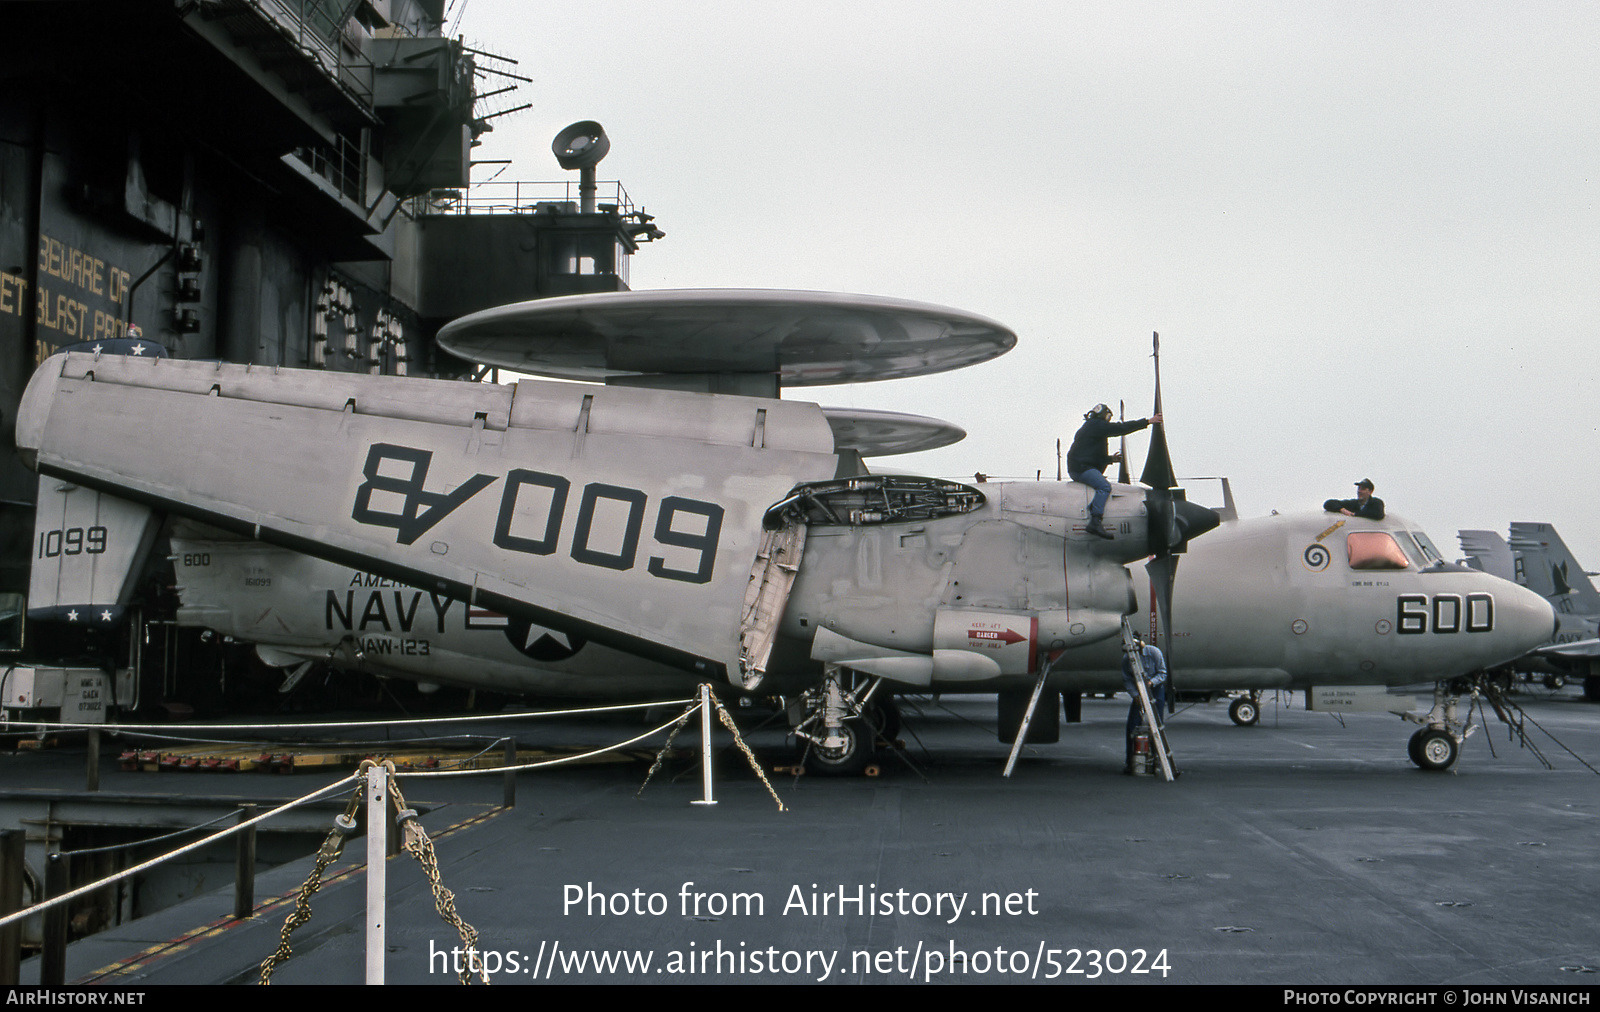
1155, 673
1088, 457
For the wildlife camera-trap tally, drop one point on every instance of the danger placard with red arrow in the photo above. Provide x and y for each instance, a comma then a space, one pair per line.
1009, 638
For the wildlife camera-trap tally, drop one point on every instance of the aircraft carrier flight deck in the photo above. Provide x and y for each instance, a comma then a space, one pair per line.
1298, 851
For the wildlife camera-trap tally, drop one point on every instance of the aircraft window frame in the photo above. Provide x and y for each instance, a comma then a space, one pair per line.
1369, 551
1413, 551
1430, 551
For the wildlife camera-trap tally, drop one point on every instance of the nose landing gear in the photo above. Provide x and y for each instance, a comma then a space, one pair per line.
840, 727
1246, 710
1433, 748
1437, 745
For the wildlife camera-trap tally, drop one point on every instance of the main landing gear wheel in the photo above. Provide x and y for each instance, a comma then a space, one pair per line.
848, 759
884, 715
1433, 749
1244, 711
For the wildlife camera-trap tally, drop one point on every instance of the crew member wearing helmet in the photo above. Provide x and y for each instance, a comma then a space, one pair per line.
1363, 505
1089, 456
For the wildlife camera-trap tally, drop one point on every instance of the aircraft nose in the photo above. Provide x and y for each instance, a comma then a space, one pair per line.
1526, 620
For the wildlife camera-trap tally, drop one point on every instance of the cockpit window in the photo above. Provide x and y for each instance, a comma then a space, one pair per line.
1430, 554
1374, 550
1413, 551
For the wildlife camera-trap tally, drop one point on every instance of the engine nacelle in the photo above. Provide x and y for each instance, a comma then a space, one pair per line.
1015, 642
952, 584
973, 645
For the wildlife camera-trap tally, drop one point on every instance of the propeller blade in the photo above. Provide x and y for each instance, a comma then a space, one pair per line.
1158, 471
1163, 570
1122, 467
1172, 520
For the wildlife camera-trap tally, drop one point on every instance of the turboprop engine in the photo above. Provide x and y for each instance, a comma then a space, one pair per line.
927, 582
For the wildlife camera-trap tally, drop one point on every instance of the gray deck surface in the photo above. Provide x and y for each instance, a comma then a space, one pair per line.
1299, 851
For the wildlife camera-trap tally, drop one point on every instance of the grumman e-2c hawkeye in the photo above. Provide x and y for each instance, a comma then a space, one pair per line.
1335, 615
723, 536
1342, 608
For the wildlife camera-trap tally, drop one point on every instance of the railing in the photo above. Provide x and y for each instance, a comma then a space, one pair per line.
517, 197
310, 26
343, 165
376, 784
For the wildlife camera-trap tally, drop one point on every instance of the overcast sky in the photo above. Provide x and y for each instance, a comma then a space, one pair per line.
1367, 232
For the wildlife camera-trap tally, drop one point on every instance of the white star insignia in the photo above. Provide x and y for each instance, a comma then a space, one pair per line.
105, 616
137, 349
97, 349
72, 616
535, 633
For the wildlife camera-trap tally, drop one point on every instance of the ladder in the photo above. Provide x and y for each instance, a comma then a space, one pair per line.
1027, 717
1158, 735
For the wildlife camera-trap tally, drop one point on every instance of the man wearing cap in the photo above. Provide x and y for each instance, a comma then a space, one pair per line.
1155, 673
1088, 457
1363, 505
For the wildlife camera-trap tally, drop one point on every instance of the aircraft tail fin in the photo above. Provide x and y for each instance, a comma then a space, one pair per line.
1546, 566
88, 551
1487, 552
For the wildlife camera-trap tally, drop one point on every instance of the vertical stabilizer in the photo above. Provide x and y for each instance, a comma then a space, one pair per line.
1548, 569
88, 549
1487, 552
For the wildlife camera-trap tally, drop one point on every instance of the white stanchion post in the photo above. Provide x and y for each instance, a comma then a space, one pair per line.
377, 870
705, 745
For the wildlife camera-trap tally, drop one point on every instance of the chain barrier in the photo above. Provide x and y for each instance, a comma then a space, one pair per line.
416, 843
661, 757
419, 846
332, 846
727, 722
